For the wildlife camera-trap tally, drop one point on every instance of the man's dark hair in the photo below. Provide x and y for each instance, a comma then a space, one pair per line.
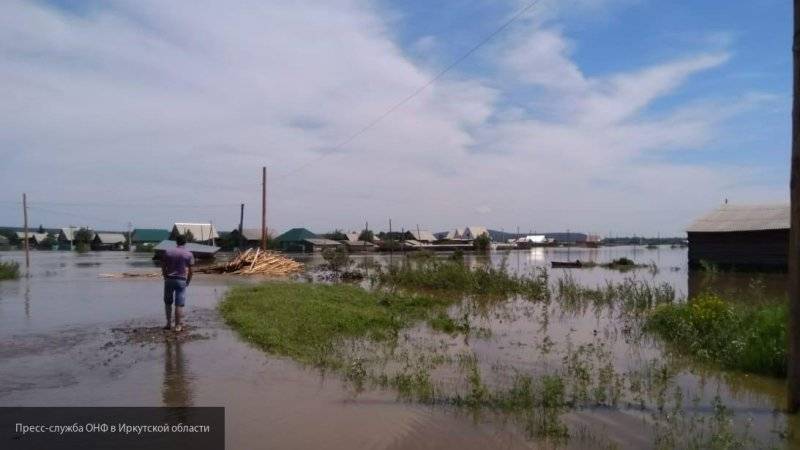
180, 240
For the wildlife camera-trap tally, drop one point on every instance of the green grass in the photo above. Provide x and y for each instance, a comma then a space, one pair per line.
734, 336
9, 270
306, 321
452, 276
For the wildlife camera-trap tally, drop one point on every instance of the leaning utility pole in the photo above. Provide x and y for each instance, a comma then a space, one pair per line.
263, 208
793, 369
25, 233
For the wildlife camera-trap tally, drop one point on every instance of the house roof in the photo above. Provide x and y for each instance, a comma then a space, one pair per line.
110, 238
455, 234
149, 235
191, 246
69, 233
295, 234
322, 242
200, 231
353, 236
37, 237
359, 244
423, 235
476, 231
729, 218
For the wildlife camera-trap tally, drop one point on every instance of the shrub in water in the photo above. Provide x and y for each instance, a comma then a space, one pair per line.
9, 270
733, 336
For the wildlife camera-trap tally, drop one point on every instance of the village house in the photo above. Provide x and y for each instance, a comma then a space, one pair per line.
741, 237
34, 239
423, 236
195, 232
109, 241
66, 237
294, 240
250, 238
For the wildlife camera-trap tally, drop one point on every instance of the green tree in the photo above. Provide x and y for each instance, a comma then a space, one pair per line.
482, 243
48, 242
83, 236
337, 258
41, 229
336, 235
367, 236
83, 239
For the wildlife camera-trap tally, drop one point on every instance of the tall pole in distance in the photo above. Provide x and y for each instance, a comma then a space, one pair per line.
25, 233
263, 208
793, 369
241, 224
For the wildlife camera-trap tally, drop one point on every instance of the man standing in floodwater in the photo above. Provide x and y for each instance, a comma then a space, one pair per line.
176, 266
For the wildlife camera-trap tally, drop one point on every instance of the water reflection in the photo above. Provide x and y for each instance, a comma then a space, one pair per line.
177, 386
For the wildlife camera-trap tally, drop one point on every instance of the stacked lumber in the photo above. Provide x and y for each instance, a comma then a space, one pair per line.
255, 262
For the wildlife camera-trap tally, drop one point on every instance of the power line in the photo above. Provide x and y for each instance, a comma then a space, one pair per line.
418, 91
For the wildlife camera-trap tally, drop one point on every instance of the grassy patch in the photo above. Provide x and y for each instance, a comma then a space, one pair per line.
452, 276
306, 321
750, 339
9, 270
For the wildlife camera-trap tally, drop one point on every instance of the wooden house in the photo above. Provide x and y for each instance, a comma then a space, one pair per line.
198, 232
741, 237
109, 241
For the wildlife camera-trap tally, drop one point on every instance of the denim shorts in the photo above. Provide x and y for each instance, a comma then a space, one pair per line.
175, 287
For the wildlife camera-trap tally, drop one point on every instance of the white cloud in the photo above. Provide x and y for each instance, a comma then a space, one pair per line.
150, 103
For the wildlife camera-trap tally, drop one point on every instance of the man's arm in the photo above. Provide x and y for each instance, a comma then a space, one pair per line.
189, 265
163, 266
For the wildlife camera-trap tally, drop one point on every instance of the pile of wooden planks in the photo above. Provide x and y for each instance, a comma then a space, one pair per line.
255, 262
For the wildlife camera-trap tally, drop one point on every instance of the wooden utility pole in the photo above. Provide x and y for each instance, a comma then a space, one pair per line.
793, 369
25, 233
263, 208
241, 225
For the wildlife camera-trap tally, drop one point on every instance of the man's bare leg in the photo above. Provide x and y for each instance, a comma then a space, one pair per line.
168, 313
178, 318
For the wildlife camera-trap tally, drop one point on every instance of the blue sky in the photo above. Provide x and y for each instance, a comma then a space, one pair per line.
623, 116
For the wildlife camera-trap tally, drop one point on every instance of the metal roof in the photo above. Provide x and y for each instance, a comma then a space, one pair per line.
423, 235
110, 238
37, 237
191, 246
69, 233
729, 218
322, 242
295, 235
359, 244
200, 231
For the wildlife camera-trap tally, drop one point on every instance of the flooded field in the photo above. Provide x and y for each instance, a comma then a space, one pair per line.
70, 337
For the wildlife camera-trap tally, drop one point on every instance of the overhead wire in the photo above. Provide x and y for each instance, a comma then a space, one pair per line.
416, 92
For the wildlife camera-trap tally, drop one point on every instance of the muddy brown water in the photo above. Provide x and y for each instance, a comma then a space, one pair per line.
69, 337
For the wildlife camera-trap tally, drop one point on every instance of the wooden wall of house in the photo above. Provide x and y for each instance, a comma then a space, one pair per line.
741, 249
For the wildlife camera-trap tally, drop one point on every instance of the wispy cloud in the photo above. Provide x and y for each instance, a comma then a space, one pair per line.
146, 101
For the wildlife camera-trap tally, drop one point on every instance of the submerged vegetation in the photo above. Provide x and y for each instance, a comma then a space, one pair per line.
305, 321
411, 333
749, 339
9, 270
453, 276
